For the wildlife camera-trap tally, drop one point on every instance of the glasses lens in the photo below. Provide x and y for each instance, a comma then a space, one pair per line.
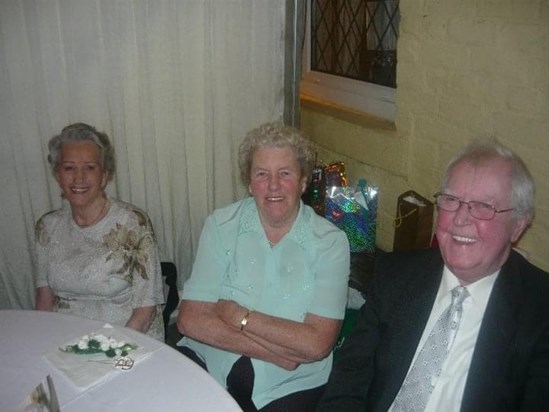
448, 203
481, 210
478, 210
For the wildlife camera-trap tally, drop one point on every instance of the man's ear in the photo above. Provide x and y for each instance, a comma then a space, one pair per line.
521, 224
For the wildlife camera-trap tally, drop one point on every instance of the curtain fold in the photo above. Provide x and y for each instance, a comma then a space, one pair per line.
176, 84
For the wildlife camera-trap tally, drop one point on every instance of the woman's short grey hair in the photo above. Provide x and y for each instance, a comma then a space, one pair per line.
482, 151
80, 132
276, 135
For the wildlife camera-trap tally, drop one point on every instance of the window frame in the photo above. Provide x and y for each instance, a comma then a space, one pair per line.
354, 94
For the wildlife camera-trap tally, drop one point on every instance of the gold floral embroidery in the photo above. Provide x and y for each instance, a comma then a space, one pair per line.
142, 219
40, 233
131, 246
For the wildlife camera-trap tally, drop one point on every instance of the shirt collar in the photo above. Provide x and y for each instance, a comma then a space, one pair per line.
479, 290
250, 222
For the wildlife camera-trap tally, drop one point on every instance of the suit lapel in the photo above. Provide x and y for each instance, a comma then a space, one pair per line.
405, 328
495, 337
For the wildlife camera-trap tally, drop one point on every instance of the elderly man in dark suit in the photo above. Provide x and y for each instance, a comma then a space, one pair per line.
462, 327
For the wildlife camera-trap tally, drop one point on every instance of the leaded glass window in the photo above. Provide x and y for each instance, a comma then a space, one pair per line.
355, 39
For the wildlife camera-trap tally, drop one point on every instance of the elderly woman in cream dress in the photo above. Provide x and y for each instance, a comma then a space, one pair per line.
96, 257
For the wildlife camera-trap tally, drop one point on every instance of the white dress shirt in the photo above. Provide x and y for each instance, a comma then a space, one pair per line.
448, 391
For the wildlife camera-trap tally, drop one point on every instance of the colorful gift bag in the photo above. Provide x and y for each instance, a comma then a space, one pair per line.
354, 210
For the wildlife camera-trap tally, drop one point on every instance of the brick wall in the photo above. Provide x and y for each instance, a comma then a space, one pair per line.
466, 69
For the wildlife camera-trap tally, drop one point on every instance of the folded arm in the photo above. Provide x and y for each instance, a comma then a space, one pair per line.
201, 321
301, 342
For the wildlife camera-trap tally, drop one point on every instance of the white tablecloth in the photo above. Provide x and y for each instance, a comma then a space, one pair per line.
163, 381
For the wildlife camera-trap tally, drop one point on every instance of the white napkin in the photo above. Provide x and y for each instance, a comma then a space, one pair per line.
43, 398
88, 370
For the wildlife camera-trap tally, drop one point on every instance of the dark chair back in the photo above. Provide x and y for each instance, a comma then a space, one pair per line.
169, 273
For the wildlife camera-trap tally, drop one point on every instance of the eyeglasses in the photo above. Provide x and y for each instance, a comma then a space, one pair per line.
479, 210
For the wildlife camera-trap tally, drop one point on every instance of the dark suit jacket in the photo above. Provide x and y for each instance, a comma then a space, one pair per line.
509, 370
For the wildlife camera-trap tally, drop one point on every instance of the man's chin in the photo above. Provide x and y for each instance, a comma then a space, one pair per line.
467, 274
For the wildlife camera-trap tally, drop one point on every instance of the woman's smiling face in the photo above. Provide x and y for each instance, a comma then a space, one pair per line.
80, 174
277, 185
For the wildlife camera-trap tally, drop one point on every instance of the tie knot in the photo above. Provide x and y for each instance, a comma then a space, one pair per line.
459, 294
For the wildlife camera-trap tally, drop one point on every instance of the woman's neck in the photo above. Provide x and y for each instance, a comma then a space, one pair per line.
275, 231
91, 215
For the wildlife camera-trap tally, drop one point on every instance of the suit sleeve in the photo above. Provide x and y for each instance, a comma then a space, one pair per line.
536, 391
352, 374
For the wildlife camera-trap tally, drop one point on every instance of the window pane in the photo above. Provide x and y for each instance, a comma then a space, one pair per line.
355, 39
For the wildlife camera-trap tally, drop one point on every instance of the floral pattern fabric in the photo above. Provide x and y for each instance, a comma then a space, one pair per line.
104, 271
130, 246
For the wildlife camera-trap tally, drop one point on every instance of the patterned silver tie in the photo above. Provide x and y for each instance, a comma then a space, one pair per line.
420, 382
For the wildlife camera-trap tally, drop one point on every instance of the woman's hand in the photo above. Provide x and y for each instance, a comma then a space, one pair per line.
44, 299
142, 318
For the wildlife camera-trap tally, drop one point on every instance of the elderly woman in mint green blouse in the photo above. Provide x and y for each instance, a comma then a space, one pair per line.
96, 256
268, 289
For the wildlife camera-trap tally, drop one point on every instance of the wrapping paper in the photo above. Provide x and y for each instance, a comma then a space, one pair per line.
354, 210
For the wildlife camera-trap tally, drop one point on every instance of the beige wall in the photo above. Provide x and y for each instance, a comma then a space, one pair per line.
466, 69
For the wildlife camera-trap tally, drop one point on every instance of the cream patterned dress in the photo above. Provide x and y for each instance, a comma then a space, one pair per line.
104, 271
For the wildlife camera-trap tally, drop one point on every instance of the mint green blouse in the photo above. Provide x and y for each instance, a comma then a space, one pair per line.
306, 272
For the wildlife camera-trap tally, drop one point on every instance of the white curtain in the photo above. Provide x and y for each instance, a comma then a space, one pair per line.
176, 84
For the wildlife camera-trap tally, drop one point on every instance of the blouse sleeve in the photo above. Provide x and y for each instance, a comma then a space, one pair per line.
331, 268
209, 266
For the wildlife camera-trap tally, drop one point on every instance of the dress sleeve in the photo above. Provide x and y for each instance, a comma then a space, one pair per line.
147, 289
331, 268
40, 254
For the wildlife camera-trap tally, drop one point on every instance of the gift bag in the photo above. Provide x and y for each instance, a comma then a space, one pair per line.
315, 193
323, 176
354, 210
413, 223
335, 174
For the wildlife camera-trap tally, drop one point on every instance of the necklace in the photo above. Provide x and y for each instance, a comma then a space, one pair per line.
99, 215
274, 243
276, 233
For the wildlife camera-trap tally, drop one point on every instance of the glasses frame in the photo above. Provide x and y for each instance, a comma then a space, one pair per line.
469, 208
